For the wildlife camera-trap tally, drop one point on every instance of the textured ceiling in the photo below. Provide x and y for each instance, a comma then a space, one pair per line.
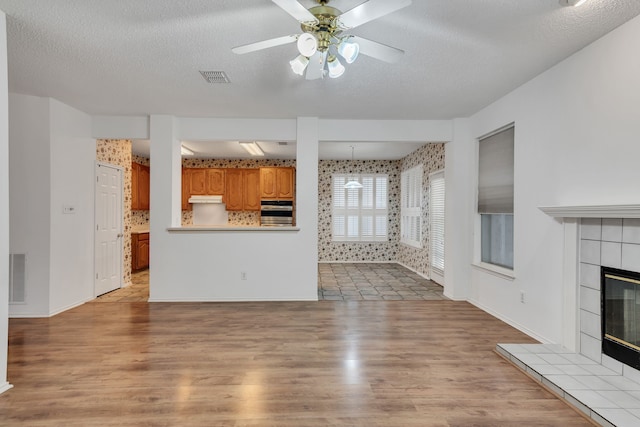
138, 57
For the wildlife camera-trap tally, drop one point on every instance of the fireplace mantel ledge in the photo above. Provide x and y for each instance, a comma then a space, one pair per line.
592, 211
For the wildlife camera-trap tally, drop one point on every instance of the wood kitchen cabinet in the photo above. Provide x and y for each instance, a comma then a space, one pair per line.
277, 183
202, 182
216, 182
197, 182
140, 186
139, 251
186, 183
242, 189
206, 181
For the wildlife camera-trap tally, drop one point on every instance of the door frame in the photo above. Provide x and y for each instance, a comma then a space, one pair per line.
120, 170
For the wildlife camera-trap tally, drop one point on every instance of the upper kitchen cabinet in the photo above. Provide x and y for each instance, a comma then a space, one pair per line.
186, 183
215, 182
197, 182
202, 182
140, 186
242, 189
277, 183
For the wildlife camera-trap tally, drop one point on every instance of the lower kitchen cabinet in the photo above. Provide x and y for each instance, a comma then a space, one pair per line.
139, 251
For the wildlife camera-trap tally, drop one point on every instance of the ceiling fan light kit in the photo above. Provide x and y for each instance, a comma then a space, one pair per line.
307, 44
348, 50
336, 69
299, 64
322, 38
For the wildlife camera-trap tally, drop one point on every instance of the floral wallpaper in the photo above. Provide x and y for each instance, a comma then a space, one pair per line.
431, 156
235, 218
139, 219
117, 152
140, 160
357, 251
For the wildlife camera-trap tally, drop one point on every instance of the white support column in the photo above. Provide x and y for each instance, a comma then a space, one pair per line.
459, 173
165, 193
4, 206
570, 323
307, 193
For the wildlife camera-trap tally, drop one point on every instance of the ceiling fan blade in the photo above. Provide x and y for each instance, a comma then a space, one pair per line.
378, 50
368, 11
315, 69
264, 44
295, 9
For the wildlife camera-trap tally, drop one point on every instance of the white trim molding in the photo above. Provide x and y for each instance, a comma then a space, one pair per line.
592, 211
4, 387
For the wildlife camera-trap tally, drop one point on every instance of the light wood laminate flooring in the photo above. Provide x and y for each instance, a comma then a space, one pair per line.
325, 363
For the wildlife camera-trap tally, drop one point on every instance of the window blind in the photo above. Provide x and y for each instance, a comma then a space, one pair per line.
359, 214
436, 220
411, 207
495, 173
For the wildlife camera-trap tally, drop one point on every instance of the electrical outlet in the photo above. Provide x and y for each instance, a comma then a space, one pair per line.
243, 275
522, 297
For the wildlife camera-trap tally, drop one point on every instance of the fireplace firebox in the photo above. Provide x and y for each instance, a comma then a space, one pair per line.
621, 315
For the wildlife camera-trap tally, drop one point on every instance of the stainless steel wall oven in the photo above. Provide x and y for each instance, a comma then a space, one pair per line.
276, 213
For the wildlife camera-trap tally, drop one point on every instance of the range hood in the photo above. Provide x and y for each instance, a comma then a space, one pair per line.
205, 199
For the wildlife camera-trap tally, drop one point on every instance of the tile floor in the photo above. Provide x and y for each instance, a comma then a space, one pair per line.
346, 282
336, 282
605, 396
137, 292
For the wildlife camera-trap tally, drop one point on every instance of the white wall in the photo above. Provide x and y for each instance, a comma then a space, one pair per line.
576, 143
73, 154
52, 161
29, 200
4, 205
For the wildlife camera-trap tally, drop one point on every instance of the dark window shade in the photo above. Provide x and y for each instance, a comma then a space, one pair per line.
495, 173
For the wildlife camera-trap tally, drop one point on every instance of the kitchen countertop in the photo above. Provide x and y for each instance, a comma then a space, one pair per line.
140, 230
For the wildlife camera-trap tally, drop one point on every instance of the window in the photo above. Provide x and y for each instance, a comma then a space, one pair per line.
360, 214
495, 198
411, 207
436, 221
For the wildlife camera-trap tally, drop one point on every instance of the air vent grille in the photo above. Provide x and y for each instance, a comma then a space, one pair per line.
215, 76
17, 277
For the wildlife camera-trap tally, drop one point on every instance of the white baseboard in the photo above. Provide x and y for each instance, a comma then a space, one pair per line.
4, 387
511, 322
315, 298
415, 271
357, 262
69, 307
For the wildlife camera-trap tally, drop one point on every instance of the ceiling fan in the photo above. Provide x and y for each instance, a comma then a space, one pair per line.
323, 40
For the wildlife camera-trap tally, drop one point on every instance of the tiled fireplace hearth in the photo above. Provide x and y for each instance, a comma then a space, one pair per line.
604, 389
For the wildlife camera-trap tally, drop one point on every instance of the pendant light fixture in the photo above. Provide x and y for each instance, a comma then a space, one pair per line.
353, 183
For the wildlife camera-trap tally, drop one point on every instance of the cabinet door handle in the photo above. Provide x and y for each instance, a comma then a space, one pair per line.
120, 235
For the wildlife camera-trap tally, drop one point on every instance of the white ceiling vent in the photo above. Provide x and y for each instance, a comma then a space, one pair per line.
215, 76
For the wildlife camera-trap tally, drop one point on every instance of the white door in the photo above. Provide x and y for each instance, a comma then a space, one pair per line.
108, 238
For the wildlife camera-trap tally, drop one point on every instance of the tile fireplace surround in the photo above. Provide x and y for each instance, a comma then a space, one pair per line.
605, 390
